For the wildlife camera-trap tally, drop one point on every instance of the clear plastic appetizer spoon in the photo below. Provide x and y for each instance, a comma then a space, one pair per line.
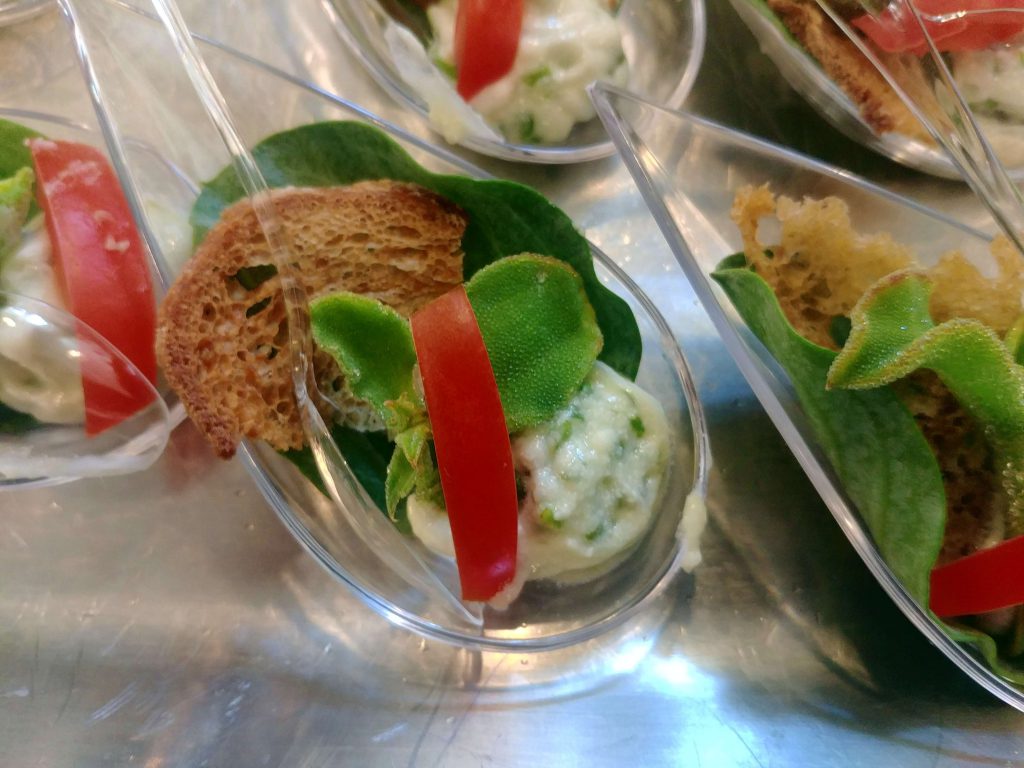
927, 86
73, 405
376, 531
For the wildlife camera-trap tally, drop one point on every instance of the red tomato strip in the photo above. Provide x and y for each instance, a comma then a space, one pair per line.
103, 274
486, 40
474, 456
896, 31
985, 581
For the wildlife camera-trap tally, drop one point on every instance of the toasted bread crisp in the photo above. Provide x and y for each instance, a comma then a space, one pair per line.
223, 346
820, 267
845, 65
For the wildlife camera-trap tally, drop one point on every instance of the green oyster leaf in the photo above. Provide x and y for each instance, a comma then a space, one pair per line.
373, 347
371, 343
540, 332
893, 335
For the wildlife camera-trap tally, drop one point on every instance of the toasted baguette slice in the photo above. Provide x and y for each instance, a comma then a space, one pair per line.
878, 103
223, 347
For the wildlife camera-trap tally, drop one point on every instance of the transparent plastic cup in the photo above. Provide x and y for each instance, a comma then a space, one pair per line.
141, 98
663, 41
688, 171
49, 432
47, 359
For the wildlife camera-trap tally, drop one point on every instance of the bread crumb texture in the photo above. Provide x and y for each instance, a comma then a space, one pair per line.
223, 345
850, 69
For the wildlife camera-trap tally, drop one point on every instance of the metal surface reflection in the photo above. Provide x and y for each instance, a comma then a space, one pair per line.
168, 619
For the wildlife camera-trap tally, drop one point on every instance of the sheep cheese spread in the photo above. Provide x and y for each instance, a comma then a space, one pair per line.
36, 374
991, 83
591, 479
565, 46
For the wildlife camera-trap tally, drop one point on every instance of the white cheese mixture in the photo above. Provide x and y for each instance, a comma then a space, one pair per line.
565, 46
37, 375
991, 82
592, 478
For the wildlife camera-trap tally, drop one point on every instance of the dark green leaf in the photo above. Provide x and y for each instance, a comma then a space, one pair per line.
987, 648
839, 329
874, 445
258, 307
367, 453
411, 15
14, 422
252, 278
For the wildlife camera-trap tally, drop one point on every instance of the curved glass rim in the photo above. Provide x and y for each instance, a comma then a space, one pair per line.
526, 153
175, 411
167, 414
697, 421
15, 11
645, 595
821, 476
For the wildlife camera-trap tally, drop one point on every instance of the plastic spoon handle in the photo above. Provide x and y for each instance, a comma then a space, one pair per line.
937, 102
345, 490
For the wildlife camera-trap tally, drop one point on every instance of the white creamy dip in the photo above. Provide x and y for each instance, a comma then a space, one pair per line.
37, 375
592, 478
565, 46
991, 82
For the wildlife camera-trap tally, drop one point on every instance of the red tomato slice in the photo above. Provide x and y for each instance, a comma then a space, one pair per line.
896, 31
486, 40
474, 456
985, 581
103, 274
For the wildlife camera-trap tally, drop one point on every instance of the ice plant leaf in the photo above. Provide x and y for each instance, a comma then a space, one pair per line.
371, 342
540, 331
893, 336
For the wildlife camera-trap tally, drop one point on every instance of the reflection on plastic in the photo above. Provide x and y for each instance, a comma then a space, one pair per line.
47, 359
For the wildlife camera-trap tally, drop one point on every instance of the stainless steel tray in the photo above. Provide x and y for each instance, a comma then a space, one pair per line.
169, 619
